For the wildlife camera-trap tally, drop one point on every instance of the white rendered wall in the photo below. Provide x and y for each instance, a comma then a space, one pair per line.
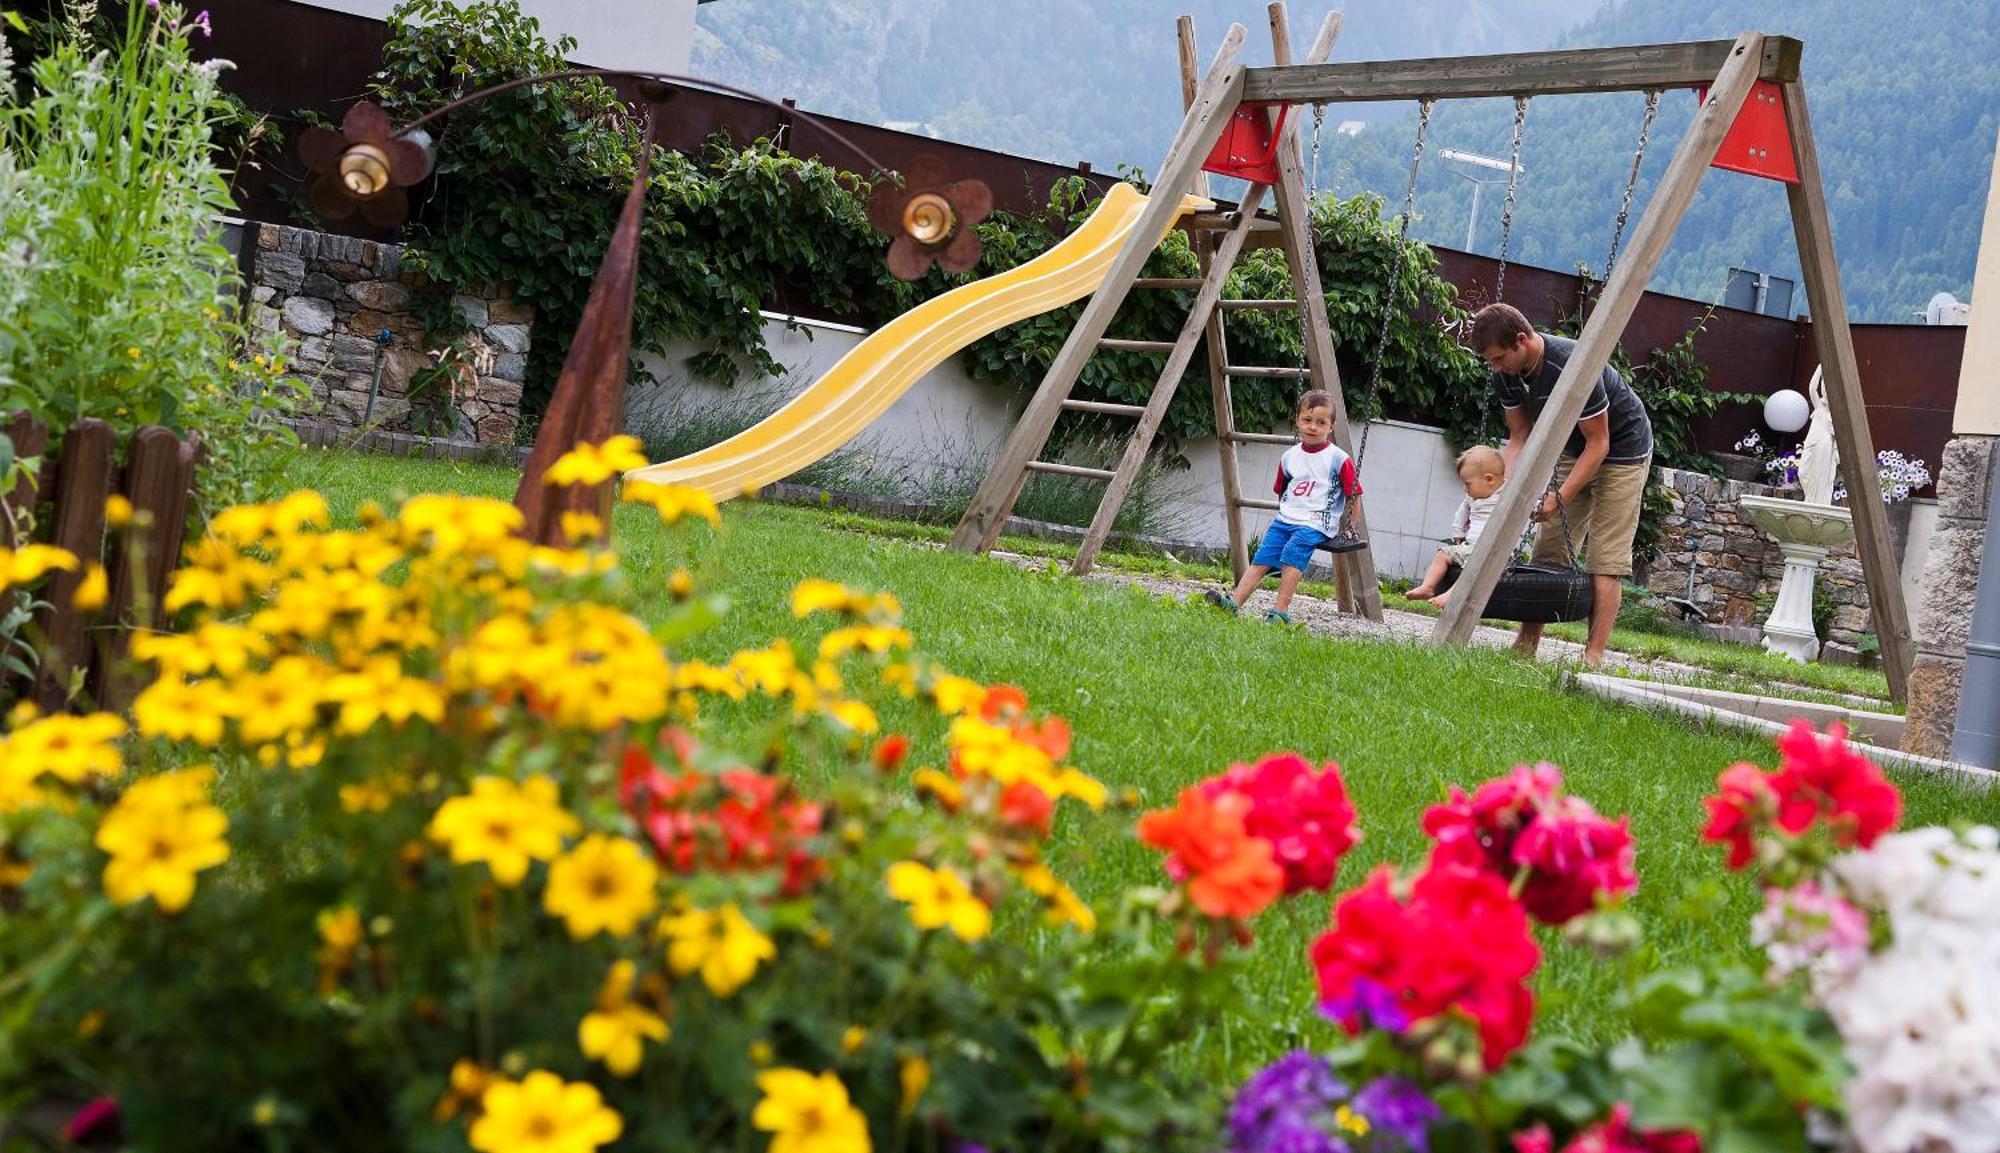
649, 36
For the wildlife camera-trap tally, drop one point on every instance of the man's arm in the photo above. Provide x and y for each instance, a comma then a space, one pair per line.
1518, 427
1596, 444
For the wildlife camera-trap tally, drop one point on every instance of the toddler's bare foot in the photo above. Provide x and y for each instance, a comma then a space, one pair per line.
1441, 599
1420, 593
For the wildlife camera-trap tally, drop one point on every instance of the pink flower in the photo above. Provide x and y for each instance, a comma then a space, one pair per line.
1823, 775
1522, 821
201, 21
1743, 802
1305, 816
1806, 926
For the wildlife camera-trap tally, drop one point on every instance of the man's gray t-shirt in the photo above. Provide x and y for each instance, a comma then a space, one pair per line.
1631, 432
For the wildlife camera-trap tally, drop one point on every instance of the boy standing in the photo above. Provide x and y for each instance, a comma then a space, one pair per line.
1314, 483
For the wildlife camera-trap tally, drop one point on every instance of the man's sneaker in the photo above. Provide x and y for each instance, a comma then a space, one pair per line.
1220, 599
1276, 617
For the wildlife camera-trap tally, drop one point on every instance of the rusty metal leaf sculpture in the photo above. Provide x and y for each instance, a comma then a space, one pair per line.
931, 218
589, 396
364, 166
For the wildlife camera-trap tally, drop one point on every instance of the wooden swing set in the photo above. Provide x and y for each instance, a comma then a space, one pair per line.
1752, 118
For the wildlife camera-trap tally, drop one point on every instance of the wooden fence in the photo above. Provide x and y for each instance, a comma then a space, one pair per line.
67, 498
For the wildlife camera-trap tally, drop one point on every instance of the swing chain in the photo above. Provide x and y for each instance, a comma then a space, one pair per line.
1507, 207
1312, 223
1403, 218
1631, 182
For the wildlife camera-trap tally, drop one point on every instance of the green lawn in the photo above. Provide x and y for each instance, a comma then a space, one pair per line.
1162, 694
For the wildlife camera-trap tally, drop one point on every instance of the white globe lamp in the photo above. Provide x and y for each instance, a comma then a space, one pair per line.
1786, 410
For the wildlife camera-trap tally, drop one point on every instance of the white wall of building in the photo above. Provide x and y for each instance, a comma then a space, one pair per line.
647, 36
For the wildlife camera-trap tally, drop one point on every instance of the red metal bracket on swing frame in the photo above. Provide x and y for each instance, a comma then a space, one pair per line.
1248, 148
1758, 143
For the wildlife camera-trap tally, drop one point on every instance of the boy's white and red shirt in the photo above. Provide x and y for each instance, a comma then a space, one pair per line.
1313, 485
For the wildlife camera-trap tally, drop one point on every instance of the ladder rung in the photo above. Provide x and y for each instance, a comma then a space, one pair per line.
1265, 372
1262, 438
1136, 345
1253, 502
1105, 406
1246, 305
1167, 282
1103, 474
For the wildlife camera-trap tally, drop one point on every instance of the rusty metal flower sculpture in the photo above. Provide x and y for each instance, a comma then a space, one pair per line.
365, 166
931, 218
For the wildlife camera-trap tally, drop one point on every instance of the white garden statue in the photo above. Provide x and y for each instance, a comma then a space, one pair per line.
1804, 531
1819, 458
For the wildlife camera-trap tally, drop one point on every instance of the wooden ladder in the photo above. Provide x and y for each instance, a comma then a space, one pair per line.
1219, 240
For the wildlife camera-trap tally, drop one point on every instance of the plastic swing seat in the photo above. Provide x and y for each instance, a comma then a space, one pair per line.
1535, 593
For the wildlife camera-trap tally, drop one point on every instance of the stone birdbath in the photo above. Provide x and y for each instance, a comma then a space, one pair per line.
1805, 531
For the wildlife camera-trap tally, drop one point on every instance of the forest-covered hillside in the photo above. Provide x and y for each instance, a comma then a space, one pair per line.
1906, 103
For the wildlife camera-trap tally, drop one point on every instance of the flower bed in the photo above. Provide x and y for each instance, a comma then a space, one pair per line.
418, 838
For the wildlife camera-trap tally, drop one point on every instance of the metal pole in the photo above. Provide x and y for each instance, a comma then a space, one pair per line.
1976, 740
1472, 221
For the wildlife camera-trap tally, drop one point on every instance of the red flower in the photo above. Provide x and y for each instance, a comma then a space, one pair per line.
1522, 821
733, 820
1743, 802
1613, 1135
1823, 775
1228, 872
1306, 816
1025, 806
1460, 942
889, 753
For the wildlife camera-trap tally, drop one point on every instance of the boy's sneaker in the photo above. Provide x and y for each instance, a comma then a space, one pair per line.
1278, 618
1220, 599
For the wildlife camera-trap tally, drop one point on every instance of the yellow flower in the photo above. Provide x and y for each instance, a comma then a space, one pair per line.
117, 511
604, 885
596, 463
722, 944
133, 352
855, 715
505, 825
468, 1084
92, 591
680, 585
615, 1031
673, 501
939, 898
853, 1039
33, 562
874, 638
808, 1114
67, 747
915, 1074
1352, 1122
159, 835
1064, 906
180, 710
815, 594
542, 1113
949, 792
339, 936
581, 526
957, 695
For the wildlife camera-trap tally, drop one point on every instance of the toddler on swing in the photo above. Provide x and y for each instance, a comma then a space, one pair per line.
1481, 470
1315, 481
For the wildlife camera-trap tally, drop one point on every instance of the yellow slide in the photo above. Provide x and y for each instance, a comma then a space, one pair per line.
857, 390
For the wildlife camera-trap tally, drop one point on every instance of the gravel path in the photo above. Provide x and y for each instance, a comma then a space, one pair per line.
1320, 616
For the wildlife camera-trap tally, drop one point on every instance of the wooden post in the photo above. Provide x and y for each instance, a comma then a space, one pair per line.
1221, 90
1850, 414
1355, 582
81, 481
1537, 460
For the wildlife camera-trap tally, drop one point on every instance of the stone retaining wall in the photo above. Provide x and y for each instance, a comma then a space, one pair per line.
1734, 563
345, 308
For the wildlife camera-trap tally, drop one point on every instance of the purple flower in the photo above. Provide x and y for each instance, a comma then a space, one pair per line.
1296, 1136
202, 23
1397, 1107
1282, 1097
1369, 1004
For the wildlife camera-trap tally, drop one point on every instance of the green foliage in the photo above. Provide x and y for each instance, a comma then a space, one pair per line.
117, 299
529, 184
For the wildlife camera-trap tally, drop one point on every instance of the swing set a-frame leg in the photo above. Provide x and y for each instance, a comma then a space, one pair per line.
1221, 91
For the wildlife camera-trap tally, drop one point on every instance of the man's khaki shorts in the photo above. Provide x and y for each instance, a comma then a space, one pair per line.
1605, 514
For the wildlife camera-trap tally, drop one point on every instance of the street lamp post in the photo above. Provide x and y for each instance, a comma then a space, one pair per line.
1478, 185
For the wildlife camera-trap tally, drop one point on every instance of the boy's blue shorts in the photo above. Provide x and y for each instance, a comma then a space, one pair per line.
1288, 545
